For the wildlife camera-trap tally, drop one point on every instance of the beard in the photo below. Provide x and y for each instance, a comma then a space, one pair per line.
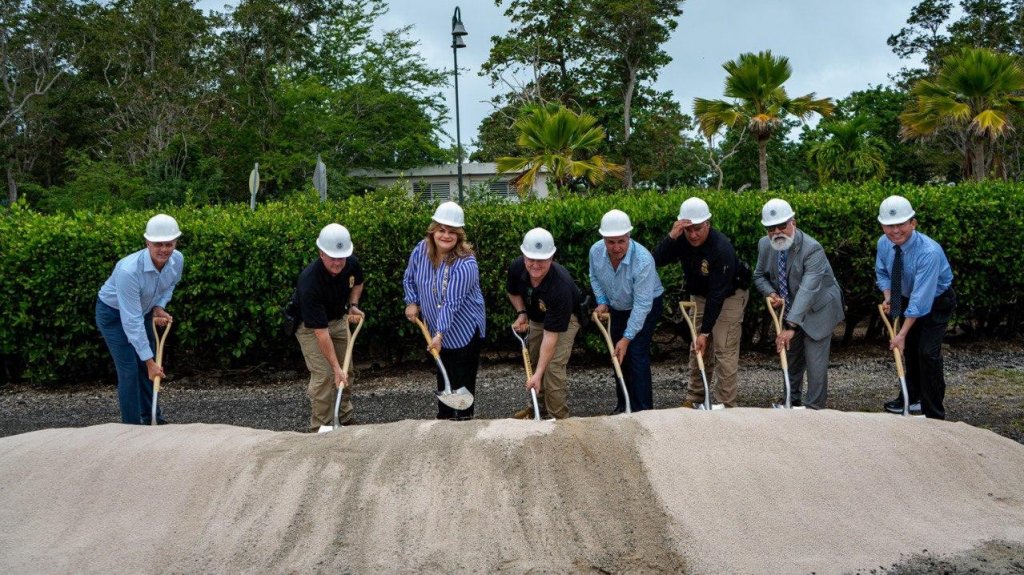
781, 242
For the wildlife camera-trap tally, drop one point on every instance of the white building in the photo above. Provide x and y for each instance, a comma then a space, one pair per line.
442, 182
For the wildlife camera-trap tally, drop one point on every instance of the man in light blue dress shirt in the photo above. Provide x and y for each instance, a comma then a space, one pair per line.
137, 292
626, 285
916, 281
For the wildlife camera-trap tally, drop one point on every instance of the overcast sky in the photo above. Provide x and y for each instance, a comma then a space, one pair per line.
834, 46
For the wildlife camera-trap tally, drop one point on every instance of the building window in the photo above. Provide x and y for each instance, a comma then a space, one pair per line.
500, 188
431, 191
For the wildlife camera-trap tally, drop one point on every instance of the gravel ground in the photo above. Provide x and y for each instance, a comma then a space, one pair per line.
985, 388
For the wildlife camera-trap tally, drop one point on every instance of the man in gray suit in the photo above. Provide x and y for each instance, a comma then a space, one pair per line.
792, 269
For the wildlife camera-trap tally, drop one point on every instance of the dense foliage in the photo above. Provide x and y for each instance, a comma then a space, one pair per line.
240, 266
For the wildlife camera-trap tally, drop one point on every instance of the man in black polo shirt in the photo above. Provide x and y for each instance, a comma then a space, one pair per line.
326, 295
717, 282
546, 299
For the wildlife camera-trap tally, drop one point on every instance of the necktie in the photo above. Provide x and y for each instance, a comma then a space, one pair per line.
896, 289
784, 280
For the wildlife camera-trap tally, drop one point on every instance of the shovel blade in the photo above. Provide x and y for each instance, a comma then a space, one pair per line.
325, 428
459, 399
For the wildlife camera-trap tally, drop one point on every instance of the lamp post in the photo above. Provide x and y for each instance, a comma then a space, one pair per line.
458, 31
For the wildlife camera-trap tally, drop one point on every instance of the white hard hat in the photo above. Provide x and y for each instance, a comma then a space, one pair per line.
894, 210
450, 214
615, 223
775, 212
538, 244
694, 209
335, 241
161, 228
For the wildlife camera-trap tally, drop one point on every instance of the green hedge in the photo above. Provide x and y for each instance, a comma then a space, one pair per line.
240, 266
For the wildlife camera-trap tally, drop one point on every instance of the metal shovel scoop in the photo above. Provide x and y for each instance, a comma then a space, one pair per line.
611, 350
687, 307
776, 319
160, 339
529, 370
892, 327
460, 398
346, 363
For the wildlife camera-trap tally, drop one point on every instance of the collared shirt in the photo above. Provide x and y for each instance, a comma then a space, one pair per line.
709, 270
926, 271
553, 302
632, 286
321, 297
449, 296
135, 287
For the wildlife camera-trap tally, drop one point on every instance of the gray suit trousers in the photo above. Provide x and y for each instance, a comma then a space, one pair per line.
806, 354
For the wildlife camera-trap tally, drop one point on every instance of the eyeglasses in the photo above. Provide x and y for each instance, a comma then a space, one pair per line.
778, 227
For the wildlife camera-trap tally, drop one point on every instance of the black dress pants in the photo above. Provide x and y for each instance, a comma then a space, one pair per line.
923, 356
461, 364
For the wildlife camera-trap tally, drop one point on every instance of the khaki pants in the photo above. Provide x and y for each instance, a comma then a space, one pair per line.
321, 390
552, 396
725, 356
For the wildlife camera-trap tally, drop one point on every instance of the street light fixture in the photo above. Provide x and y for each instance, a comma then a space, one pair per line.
458, 31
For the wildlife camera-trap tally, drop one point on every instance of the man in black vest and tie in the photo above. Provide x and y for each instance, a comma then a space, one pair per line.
914, 275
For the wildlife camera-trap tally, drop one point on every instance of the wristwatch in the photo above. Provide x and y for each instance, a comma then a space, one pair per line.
521, 312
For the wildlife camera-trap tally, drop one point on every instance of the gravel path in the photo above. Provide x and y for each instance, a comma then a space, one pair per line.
984, 388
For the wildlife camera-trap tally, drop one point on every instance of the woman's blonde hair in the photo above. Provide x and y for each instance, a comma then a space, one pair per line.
462, 247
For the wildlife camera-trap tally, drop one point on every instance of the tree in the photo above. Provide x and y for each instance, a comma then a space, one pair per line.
624, 39
760, 102
851, 153
972, 101
554, 136
601, 56
38, 47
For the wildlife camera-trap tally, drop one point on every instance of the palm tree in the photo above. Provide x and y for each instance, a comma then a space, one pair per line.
972, 99
553, 136
850, 153
759, 102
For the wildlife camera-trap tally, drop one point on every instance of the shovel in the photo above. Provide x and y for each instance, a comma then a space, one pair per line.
346, 363
529, 370
686, 307
460, 398
776, 319
892, 327
611, 350
160, 339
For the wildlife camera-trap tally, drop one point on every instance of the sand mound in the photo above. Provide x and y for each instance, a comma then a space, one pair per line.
739, 491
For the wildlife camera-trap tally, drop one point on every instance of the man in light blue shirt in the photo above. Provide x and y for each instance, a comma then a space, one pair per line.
916, 281
626, 285
137, 292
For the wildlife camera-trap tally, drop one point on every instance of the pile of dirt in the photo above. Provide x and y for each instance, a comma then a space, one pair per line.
676, 490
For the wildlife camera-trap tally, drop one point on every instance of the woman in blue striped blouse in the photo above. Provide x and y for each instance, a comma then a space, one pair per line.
442, 283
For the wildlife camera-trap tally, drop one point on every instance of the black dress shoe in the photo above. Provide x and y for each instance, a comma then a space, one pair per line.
894, 406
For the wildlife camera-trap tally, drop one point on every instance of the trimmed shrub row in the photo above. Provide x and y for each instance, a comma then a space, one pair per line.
240, 266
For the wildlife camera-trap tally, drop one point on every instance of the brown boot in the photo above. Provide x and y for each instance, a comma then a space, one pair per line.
524, 413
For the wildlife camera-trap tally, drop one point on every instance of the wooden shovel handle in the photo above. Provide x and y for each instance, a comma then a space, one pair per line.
351, 343
159, 352
891, 327
685, 307
608, 338
778, 328
426, 336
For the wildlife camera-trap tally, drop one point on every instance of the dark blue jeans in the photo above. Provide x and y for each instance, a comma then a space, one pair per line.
134, 388
636, 367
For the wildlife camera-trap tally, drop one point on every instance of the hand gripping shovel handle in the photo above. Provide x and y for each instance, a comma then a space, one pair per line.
777, 320
611, 350
436, 354
891, 327
160, 339
529, 370
345, 365
685, 307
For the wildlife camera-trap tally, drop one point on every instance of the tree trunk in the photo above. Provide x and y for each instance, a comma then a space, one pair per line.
762, 161
979, 159
627, 116
12, 186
